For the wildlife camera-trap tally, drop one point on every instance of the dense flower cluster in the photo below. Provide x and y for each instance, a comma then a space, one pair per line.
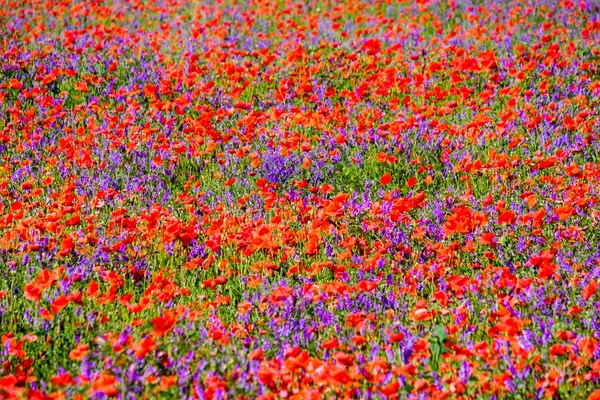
299, 199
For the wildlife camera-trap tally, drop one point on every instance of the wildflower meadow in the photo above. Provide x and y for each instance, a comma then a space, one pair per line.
281, 199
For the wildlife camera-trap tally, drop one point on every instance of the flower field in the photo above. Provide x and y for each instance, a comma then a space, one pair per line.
271, 199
